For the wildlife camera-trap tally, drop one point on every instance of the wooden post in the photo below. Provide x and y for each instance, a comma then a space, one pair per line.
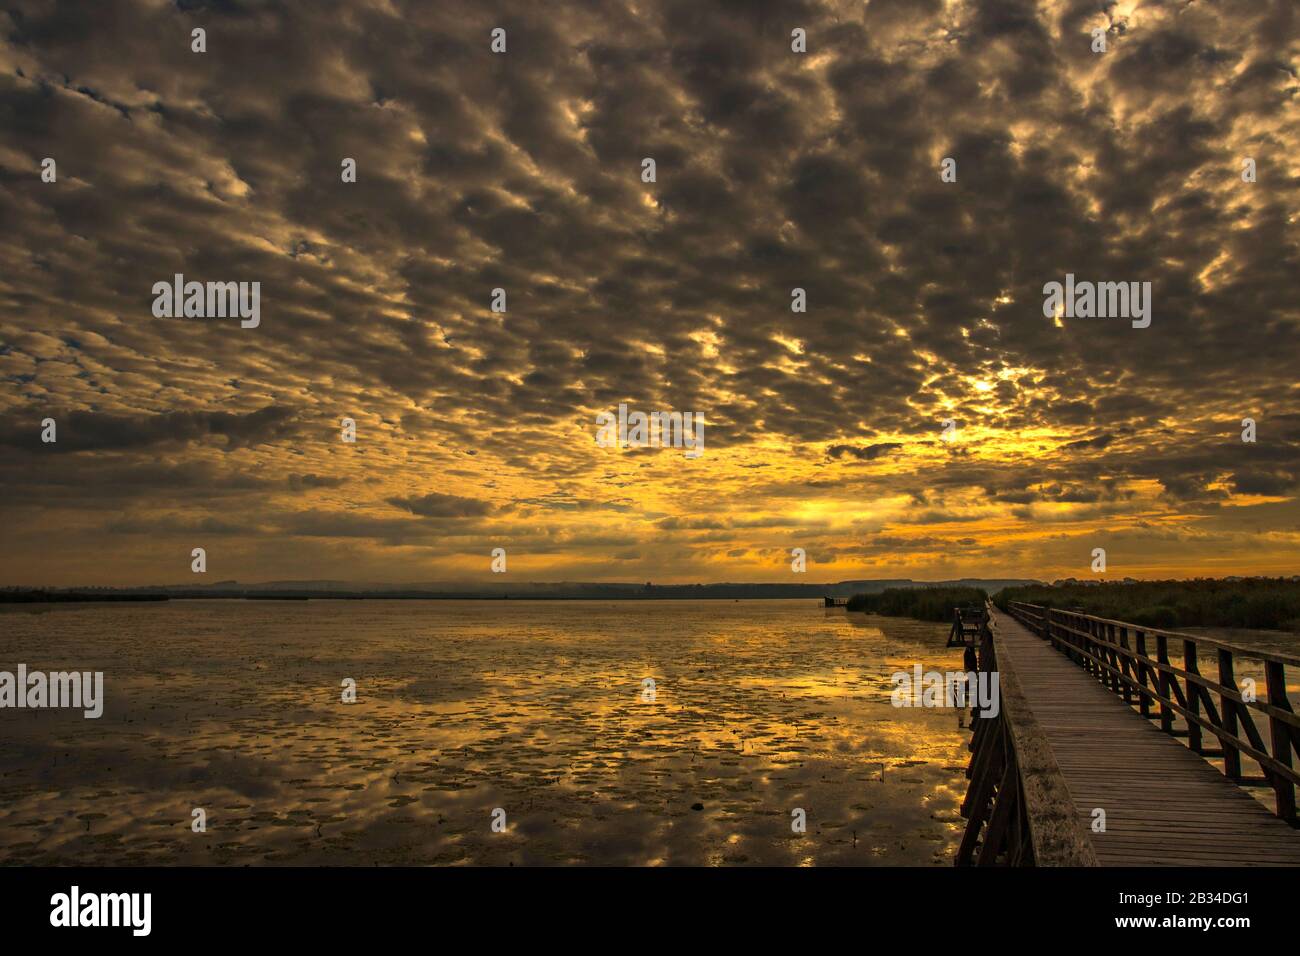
989, 766
1144, 702
1101, 647
1092, 646
1002, 818
1228, 706
1107, 655
1126, 665
1117, 661
1281, 739
1079, 643
1162, 681
1102, 632
1193, 696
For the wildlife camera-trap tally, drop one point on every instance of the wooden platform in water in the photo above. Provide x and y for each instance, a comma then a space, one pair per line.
1165, 805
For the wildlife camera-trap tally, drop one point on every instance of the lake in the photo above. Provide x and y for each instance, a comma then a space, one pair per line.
532, 714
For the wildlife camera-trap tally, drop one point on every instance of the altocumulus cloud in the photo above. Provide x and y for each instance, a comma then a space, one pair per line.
521, 172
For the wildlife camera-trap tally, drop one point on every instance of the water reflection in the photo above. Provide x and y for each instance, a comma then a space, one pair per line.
760, 707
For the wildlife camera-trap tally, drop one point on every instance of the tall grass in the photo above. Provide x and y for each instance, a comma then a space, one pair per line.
926, 604
1265, 603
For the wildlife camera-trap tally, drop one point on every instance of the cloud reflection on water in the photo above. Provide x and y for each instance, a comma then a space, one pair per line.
536, 707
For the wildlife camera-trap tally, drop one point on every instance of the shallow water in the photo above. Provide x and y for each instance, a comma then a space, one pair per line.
536, 708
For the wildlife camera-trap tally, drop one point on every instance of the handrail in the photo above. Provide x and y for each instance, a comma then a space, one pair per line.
1275, 656
1018, 807
1102, 647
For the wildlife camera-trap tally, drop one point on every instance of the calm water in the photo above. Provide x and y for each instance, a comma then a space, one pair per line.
538, 708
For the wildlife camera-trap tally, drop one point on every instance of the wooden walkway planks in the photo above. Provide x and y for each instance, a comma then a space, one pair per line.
1165, 806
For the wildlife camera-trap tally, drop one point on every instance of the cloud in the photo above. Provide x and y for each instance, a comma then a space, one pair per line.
79, 430
435, 505
308, 482
1101, 441
521, 172
1263, 483
869, 453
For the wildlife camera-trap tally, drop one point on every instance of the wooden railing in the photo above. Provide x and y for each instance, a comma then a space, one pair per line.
967, 625
1018, 808
1134, 662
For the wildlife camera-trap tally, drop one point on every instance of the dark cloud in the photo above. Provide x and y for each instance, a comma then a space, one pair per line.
1101, 441
78, 430
308, 482
867, 453
1263, 483
521, 172
434, 505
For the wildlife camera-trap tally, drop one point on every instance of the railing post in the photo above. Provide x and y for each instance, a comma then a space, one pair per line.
1275, 673
1193, 696
1098, 632
1090, 647
1231, 755
1163, 678
1125, 665
1113, 657
1144, 702
1097, 647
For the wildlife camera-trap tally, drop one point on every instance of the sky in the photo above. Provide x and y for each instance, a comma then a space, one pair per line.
523, 171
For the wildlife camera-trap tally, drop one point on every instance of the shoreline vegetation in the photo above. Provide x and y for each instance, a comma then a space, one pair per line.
924, 604
1271, 604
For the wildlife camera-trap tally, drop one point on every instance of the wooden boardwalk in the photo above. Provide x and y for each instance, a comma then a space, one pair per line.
1164, 804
